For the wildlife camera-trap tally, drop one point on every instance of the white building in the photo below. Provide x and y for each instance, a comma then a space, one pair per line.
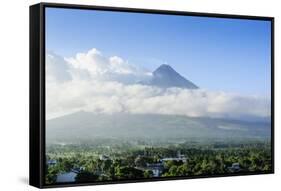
66, 177
156, 168
179, 157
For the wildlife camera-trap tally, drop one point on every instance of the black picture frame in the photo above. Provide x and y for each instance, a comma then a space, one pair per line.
37, 90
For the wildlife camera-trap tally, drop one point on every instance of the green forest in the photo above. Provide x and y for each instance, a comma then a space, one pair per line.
110, 160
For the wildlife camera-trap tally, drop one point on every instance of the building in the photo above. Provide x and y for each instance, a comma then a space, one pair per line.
66, 177
69, 176
173, 159
51, 162
235, 167
77, 169
180, 157
104, 157
156, 168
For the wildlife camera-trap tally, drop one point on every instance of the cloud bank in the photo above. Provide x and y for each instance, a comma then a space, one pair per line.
93, 82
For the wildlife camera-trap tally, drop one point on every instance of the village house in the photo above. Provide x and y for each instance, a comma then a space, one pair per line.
156, 168
104, 157
51, 162
180, 157
235, 167
69, 176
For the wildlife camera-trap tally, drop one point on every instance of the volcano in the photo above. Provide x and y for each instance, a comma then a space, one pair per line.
166, 77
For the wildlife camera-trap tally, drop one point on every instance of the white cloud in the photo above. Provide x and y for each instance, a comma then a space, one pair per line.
96, 66
100, 84
57, 70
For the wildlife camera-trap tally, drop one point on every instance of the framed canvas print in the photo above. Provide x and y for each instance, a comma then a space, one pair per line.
122, 95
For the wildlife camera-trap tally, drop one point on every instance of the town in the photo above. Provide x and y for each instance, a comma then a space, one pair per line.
154, 162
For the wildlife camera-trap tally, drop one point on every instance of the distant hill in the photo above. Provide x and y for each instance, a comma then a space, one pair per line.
165, 77
87, 126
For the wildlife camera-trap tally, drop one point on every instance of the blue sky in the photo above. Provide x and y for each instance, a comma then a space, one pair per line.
217, 54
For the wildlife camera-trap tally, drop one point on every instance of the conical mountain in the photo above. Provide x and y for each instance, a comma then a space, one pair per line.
165, 77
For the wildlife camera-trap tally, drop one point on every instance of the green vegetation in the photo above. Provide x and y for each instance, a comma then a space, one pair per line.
116, 160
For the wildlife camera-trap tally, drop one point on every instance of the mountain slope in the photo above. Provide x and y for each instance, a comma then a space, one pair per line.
88, 126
